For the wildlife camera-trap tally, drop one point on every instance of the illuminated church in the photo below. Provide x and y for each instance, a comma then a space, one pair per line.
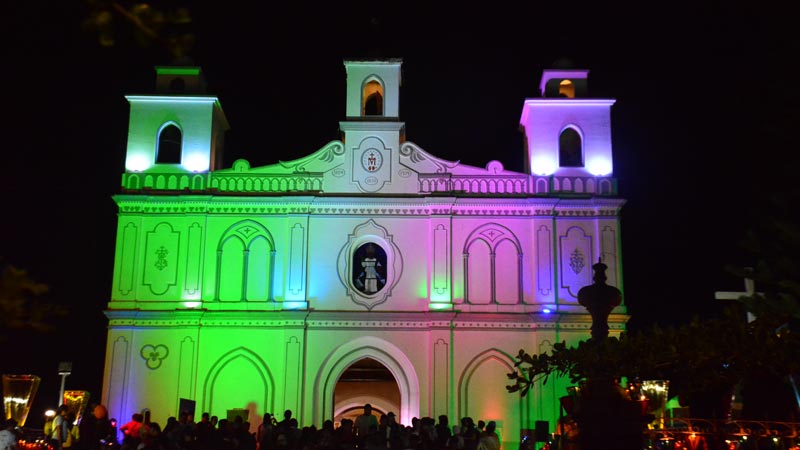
369, 271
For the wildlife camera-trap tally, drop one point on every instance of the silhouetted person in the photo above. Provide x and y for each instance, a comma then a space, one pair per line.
202, 430
344, 436
363, 424
442, 431
266, 433
283, 425
488, 439
99, 432
244, 438
469, 433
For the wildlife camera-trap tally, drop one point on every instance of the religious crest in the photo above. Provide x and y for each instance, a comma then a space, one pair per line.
371, 160
575, 246
371, 164
576, 261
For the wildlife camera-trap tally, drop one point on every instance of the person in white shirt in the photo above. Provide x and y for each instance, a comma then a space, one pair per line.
60, 428
364, 423
8, 435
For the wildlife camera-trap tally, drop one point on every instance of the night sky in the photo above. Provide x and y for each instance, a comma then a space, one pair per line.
706, 102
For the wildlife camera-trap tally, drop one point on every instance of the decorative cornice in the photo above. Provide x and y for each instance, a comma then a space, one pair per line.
173, 98
204, 318
367, 125
360, 206
427, 320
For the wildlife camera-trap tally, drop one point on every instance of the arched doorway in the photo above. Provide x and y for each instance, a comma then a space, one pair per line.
354, 350
365, 381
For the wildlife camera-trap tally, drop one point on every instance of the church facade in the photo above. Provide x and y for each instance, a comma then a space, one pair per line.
369, 271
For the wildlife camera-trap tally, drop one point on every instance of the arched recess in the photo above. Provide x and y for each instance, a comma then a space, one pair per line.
488, 396
245, 263
494, 234
566, 89
479, 272
262, 376
542, 186
570, 147
507, 259
365, 381
169, 144
380, 350
372, 97
365, 233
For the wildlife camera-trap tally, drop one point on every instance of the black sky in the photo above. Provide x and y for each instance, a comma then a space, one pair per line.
702, 128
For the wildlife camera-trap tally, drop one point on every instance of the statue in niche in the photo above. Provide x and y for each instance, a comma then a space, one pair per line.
369, 268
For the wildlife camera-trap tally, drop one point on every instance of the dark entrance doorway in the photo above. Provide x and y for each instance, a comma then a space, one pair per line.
365, 381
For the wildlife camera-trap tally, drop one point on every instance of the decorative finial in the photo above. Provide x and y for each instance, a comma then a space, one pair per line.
600, 272
599, 299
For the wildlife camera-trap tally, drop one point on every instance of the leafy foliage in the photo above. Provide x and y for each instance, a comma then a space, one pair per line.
775, 243
711, 355
20, 304
147, 23
702, 356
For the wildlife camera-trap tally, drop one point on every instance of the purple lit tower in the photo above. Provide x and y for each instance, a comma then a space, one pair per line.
569, 157
368, 271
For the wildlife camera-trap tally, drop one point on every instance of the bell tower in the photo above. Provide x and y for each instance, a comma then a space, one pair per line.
372, 131
373, 89
567, 132
178, 130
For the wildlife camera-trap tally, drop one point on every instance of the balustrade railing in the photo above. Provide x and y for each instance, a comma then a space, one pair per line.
696, 434
495, 184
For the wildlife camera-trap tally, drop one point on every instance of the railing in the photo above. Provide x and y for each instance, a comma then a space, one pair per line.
516, 184
696, 434
493, 184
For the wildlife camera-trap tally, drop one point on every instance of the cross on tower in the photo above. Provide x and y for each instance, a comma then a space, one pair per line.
749, 291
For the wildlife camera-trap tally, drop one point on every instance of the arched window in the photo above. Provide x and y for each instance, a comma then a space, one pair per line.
169, 145
566, 89
570, 153
245, 263
492, 266
372, 98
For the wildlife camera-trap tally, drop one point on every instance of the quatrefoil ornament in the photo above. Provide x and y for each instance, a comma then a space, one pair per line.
154, 355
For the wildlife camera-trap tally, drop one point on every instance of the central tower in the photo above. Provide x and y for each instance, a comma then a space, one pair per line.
373, 131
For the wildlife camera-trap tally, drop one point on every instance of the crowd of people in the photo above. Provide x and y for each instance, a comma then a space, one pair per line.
95, 430
366, 432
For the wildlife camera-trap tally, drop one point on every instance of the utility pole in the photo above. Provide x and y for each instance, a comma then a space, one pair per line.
64, 369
